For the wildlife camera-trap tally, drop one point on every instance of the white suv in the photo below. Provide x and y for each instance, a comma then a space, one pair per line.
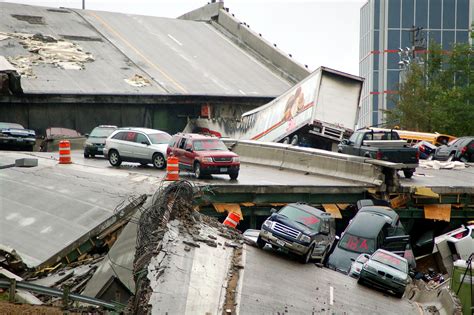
140, 145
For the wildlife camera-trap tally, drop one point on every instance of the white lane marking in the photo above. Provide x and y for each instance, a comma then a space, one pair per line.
242, 92
331, 295
177, 41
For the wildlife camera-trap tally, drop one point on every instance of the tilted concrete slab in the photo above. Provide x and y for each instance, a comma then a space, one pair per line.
45, 208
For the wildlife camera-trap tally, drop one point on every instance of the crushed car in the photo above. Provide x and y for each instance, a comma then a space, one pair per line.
14, 136
387, 271
300, 229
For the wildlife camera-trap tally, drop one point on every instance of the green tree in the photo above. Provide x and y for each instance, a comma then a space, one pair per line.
437, 93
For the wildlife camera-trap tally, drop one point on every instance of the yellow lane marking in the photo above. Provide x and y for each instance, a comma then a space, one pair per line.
107, 26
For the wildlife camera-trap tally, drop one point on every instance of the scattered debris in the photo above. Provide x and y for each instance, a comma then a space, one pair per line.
138, 81
45, 49
436, 165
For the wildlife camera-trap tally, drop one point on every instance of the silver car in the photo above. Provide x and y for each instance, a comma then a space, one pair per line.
139, 145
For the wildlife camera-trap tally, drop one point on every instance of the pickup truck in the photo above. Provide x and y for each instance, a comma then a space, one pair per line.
382, 145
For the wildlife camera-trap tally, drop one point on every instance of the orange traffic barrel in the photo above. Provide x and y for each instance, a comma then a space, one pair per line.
232, 220
64, 152
172, 168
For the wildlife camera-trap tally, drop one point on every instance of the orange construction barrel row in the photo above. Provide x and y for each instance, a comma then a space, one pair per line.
64, 152
172, 168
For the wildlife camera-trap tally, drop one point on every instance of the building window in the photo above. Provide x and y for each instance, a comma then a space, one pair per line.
448, 40
376, 14
376, 61
435, 14
375, 118
435, 36
392, 80
463, 14
375, 102
394, 13
421, 17
462, 37
408, 12
449, 9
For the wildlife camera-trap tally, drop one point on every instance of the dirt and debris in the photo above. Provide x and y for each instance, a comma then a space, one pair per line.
31, 19
10, 260
232, 282
45, 49
138, 81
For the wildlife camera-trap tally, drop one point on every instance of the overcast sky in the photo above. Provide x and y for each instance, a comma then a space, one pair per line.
315, 32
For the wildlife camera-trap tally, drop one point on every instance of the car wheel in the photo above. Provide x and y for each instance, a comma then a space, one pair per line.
324, 256
451, 157
360, 281
92, 155
286, 140
159, 161
260, 243
114, 158
304, 259
234, 175
86, 155
400, 294
197, 170
408, 173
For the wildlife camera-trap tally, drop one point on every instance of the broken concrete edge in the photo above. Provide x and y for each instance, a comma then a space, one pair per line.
440, 297
123, 214
233, 279
241, 34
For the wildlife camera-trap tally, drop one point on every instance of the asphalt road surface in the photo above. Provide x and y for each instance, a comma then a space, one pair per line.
273, 283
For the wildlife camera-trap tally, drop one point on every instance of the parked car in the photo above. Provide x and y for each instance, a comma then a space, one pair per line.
460, 149
14, 136
300, 229
426, 149
368, 231
357, 265
94, 145
204, 155
386, 270
140, 145
50, 142
381, 145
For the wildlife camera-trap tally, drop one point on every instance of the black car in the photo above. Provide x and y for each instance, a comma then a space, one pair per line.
460, 149
300, 229
95, 142
14, 136
426, 149
372, 228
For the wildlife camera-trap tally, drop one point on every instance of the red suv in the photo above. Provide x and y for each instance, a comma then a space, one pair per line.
203, 155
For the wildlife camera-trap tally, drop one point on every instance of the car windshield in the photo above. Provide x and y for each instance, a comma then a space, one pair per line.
390, 260
159, 138
362, 259
10, 125
357, 244
101, 132
301, 216
209, 145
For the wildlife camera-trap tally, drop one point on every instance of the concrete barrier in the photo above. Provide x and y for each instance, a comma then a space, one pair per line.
439, 298
308, 160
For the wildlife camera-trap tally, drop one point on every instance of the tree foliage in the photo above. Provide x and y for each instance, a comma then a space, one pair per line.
437, 93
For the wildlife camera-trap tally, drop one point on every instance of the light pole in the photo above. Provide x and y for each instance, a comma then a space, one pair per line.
83, 4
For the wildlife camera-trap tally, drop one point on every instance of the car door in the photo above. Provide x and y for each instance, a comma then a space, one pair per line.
179, 153
141, 148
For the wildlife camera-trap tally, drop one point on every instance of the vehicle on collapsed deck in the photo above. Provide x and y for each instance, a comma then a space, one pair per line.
382, 145
373, 227
94, 145
426, 150
387, 271
357, 264
139, 145
460, 149
204, 155
300, 229
14, 136
455, 245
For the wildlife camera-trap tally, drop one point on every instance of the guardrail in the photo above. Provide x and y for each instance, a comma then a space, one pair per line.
12, 285
310, 160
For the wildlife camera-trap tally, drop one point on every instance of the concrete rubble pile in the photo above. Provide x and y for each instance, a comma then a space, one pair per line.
45, 49
168, 233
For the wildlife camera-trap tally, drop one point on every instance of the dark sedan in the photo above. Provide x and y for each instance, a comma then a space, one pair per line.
15, 137
460, 149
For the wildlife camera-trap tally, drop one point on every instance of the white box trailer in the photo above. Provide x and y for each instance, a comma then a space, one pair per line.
317, 112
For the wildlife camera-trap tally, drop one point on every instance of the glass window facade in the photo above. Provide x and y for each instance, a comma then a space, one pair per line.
385, 27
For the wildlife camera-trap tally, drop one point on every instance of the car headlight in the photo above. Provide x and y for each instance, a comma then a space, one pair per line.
370, 268
305, 238
269, 224
236, 159
207, 159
